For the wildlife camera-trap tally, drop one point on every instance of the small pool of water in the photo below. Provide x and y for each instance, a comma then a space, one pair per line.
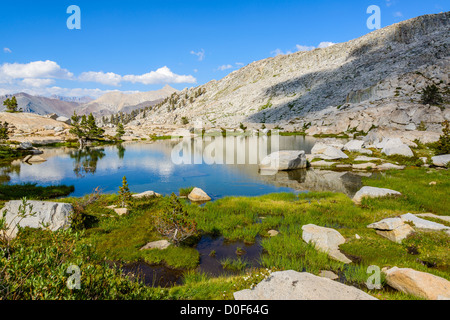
162, 276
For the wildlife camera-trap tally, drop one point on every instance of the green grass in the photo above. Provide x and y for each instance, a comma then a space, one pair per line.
184, 192
33, 192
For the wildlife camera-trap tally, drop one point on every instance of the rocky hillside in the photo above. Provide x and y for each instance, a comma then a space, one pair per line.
387, 67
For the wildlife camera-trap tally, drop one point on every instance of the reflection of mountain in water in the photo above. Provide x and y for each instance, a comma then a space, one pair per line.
316, 180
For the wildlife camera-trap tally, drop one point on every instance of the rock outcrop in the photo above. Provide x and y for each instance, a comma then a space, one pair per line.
292, 285
36, 214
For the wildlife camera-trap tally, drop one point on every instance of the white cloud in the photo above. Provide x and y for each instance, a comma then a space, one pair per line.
109, 78
161, 76
225, 67
37, 83
200, 54
36, 69
398, 14
7, 50
240, 64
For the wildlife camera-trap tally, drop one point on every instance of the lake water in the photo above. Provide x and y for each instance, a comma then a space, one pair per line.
152, 166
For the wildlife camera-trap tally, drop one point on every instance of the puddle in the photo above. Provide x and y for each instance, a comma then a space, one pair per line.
160, 275
154, 275
224, 249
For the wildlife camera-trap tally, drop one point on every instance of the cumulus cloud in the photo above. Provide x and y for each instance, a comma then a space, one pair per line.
37, 83
161, 76
36, 69
398, 14
109, 78
200, 54
7, 50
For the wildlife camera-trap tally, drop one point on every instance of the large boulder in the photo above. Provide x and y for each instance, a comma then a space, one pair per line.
293, 285
373, 192
420, 284
64, 119
354, 145
392, 147
198, 195
53, 215
284, 160
441, 161
394, 229
325, 239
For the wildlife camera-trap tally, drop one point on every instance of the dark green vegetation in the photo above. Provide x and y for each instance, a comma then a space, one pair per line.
33, 192
7, 153
11, 105
432, 95
443, 145
108, 236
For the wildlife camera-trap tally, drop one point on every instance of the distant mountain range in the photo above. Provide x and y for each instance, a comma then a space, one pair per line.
110, 103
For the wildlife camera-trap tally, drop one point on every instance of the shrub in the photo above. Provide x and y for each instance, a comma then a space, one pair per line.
175, 222
431, 95
124, 193
443, 145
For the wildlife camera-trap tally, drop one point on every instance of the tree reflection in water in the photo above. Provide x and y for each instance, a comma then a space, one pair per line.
7, 168
85, 160
120, 151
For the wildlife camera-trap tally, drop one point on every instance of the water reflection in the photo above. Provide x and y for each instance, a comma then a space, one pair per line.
149, 166
85, 160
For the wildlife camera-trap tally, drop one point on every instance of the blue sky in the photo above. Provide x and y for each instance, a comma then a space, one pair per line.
144, 45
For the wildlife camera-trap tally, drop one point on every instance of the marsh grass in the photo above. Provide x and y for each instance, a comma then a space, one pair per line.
34, 192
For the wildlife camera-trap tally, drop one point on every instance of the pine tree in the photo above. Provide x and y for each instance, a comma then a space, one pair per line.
124, 193
11, 105
120, 131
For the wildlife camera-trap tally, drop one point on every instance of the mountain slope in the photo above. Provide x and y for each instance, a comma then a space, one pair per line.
41, 105
114, 102
395, 62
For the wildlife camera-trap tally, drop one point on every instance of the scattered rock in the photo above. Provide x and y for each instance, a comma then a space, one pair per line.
396, 147
198, 195
284, 160
397, 234
364, 166
420, 284
146, 194
373, 192
160, 245
431, 215
121, 211
441, 161
354, 145
422, 223
322, 164
326, 240
55, 214
328, 274
357, 237
293, 285
364, 158
390, 166
64, 119
273, 233
112, 207
25, 146
387, 224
